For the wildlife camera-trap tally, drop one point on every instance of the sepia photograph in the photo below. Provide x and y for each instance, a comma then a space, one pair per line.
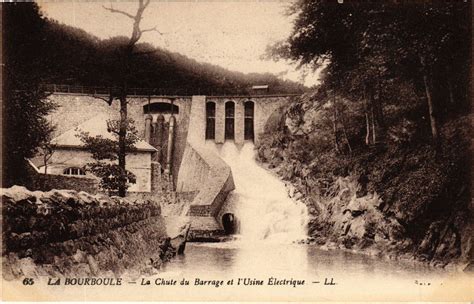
285, 150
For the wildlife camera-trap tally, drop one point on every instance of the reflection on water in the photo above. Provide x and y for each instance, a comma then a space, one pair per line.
264, 251
235, 258
357, 276
270, 222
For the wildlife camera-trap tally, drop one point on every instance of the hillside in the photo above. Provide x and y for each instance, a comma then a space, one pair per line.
72, 56
398, 198
381, 151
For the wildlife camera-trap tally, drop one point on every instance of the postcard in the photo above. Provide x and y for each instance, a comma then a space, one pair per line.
293, 151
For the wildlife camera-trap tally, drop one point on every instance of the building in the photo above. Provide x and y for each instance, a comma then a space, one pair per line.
70, 157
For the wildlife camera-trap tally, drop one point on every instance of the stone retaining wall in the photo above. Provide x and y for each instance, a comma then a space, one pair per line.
47, 182
75, 233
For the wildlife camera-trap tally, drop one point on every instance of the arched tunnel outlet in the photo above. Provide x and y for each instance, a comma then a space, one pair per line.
230, 223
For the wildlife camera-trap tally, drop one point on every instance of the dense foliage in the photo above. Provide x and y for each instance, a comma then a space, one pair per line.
106, 152
24, 126
391, 118
387, 54
75, 57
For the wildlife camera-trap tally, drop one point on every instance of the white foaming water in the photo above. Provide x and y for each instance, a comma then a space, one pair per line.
262, 204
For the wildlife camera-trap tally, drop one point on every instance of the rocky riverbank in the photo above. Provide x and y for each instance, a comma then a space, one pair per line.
399, 199
68, 233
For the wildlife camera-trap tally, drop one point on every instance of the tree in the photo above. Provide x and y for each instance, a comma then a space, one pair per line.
25, 101
370, 48
125, 54
436, 39
106, 151
47, 150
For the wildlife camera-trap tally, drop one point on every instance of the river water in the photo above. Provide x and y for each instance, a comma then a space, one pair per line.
265, 261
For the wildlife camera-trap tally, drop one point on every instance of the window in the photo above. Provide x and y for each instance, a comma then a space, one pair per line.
74, 171
160, 107
229, 120
248, 120
210, 120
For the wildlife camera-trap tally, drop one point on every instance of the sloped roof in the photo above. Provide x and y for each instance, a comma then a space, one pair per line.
37, 160
94, 126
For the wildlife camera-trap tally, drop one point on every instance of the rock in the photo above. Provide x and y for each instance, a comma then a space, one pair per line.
94, 268
468, 268
298, 196
179, 242
17, 193
79, 257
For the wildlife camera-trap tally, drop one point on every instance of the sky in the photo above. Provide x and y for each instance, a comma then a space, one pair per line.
231, 34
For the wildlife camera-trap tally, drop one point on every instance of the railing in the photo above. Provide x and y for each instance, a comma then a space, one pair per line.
90, 90
64, 88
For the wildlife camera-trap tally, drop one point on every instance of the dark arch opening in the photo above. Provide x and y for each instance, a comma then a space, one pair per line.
248, 120
229, 120
160, 107
210, 120
230, 223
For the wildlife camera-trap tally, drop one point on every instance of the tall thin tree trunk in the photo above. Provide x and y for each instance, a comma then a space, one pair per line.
379, 110
122, 144
431, 110
367, 126
429, 100
346, 137
450, 84
334, 124
334, 127
126, 66
372, 114
374, 138
367, 122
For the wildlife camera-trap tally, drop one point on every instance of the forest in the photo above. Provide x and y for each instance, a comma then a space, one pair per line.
380, 151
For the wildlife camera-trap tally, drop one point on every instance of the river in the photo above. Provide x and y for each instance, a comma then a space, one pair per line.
265, 261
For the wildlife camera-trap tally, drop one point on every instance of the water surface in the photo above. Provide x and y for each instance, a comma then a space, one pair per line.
265, 253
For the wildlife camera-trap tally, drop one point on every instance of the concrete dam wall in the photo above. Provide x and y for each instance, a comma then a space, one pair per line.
199, 121
203, 171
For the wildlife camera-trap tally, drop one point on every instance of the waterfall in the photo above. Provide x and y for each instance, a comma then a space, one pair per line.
263, 207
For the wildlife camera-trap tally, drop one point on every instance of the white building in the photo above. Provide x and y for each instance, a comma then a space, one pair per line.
70, 157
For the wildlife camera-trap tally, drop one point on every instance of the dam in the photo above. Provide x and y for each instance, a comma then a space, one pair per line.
196, 151
212, 182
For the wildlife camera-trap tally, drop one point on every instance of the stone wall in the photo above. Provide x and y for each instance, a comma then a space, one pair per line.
61, 233
81, 107
139, 163
47, 182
